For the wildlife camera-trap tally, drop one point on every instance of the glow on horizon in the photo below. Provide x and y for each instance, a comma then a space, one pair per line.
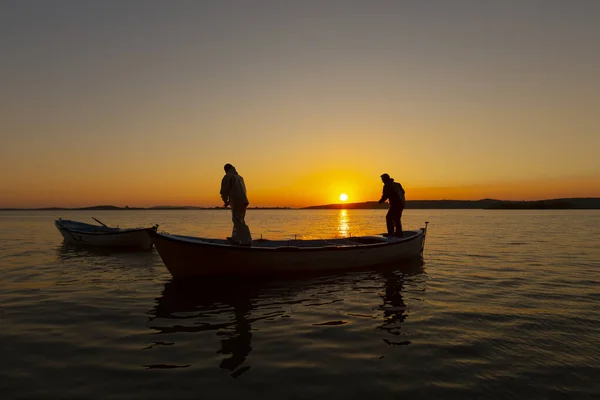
112, 103
298, 196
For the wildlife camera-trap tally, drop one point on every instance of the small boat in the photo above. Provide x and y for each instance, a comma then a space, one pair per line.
186, 256
82, 234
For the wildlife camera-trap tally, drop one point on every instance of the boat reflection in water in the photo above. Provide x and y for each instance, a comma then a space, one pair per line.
233, 308
125, 263
210, 305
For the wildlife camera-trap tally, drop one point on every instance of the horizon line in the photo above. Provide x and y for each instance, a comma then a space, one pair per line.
166, 207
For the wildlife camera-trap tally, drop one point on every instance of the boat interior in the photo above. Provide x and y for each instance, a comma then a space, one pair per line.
333, 242
83, 227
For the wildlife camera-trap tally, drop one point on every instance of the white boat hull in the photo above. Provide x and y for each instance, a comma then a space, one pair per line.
74, 233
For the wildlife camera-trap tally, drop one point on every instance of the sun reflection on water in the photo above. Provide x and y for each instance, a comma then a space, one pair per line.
343, 224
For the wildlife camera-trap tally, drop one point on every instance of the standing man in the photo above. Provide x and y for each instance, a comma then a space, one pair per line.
393, 192
233, 192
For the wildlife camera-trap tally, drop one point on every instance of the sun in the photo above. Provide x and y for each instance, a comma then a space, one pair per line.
343, 197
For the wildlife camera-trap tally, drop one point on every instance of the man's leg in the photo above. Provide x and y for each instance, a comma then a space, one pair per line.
242, 213
398, 221
241, 232
233, 219
389, 220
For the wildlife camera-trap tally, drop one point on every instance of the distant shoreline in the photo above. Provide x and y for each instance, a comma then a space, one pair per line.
578, 203
115, 208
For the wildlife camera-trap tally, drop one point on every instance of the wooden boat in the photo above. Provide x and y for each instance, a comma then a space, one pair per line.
186, 256
82, 234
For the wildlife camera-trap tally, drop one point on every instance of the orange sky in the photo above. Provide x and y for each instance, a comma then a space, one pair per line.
311, 189
110, 103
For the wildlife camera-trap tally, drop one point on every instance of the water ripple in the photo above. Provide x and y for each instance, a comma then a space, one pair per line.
505, 306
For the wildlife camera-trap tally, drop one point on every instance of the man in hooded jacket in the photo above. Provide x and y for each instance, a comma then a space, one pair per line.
393, 192
233, 192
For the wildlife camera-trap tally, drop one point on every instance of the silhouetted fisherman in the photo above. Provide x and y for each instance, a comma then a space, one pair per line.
233, 192
394, 193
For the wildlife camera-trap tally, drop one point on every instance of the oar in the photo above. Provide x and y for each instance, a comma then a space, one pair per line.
100, 222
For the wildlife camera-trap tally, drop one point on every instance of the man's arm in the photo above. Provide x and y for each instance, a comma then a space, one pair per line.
225, 186
384, 196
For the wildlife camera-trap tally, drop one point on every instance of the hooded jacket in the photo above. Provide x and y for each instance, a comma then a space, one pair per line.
394, 192
233, 188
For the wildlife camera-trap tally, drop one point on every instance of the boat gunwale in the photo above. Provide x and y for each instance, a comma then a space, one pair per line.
357, 246
116, 232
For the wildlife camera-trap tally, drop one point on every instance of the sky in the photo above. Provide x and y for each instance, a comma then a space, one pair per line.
141, 103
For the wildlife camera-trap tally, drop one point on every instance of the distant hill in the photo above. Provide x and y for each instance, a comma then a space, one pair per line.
590, 203
211, 208
579, 203
175, 208
483, 204
94, 208
116, 208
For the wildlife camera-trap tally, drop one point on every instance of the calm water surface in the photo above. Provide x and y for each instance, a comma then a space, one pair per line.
506, 305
